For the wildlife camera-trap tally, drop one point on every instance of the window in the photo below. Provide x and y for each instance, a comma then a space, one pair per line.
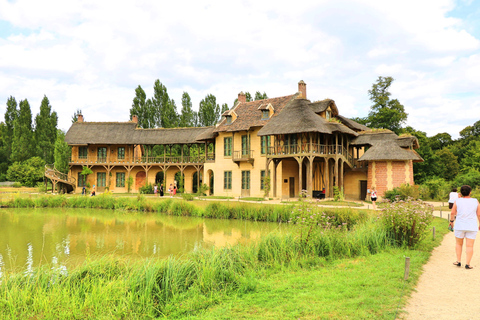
121, 153
227, 180
262, 179
101, 179
265, 114
265, 143
229, 119
227, 147
245, 180
82, 179
327, 114
120, 181
245, 145
82, 153
102, 154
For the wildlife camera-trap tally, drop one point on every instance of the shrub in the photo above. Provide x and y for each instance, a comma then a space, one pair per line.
17, 184
146, 189
406, 221
404, 192
188, 196
438, 188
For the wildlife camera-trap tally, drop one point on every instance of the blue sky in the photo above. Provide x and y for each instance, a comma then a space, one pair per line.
91, 55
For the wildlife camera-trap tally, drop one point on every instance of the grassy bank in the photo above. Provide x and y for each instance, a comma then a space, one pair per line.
178, 207
337, 274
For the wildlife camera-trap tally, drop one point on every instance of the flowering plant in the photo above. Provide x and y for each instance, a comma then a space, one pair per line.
407, 221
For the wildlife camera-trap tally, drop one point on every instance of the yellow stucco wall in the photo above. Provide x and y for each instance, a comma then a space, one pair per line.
352, 184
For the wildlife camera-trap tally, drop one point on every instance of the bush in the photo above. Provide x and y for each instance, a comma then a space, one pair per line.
404, 192
27, 172
471, 178
438, 188
146, 189
407, 221
17, 184
41, 187
188, 196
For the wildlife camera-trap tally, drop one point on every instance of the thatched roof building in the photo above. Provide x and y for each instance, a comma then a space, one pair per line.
85, 133
389, 150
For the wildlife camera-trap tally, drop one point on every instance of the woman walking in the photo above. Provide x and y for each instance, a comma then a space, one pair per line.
465, 214
452, 197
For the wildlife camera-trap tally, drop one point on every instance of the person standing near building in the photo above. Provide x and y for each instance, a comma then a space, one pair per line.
465, 214
155, 189
161, 190
93, 191
452, 197
373, 197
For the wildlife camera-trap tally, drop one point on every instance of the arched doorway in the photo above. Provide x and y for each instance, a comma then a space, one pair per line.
140, 179
159, 178
195, 182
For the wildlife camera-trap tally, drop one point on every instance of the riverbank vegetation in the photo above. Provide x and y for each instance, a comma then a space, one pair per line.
331, 265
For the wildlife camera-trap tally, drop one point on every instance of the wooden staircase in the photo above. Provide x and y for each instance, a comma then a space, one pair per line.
67, 184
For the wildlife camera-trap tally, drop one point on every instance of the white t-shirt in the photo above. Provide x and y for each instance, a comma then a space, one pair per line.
453, 197
466, 219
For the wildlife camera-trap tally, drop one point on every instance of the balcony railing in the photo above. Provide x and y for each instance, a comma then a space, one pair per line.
243, 155
147, 160
320, 149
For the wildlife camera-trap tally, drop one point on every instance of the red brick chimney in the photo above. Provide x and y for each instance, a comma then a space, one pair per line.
302, 87
79, 118
242, 97
135, 118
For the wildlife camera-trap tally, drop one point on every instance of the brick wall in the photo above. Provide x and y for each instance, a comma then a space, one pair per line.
386, 175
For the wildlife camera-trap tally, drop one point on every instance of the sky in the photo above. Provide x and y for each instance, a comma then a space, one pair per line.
91, 55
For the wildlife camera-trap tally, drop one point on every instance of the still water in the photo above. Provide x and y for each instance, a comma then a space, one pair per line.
64, 238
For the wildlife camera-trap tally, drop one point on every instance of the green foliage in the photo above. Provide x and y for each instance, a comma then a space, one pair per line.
338, 194
209, 111
407, 221
447, 164
202, 191
75, 115
470, 177
41, 188
438, 188
22, 146
404, 192
28, 172
129, 183
62, 153
187, 113
260, 96
188, 196
385, 112
46, 131
164, 107
11, 116
146, 189
17, 184
266, 186
143, 109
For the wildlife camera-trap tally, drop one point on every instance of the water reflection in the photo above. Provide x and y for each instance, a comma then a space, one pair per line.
66, 237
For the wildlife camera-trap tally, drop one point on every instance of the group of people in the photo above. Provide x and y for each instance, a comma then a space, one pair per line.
464, 220
172, 190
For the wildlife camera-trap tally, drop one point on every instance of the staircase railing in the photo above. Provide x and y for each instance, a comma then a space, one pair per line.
52, 172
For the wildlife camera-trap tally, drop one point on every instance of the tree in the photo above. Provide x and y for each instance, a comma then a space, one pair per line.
440, 141
186, 117
75, 115
426, 169
27, 172
224, 108
385, 113
447, 164
164, 109
472, 157
248, 96
46, 131
3, 152
260, 96
142, 108
209, 111
22, 146
62, 153
11, 115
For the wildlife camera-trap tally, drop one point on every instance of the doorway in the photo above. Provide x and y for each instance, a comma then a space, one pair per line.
291, 184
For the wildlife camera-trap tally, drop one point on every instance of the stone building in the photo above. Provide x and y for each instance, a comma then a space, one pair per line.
302, 146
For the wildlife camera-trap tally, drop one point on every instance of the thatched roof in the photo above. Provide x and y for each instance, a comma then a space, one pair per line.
373, 137
389, 150
352, 124
298, 117
320, 106
85, 133
249, 115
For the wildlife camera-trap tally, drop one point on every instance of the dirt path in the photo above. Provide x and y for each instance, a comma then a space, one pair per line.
445, 291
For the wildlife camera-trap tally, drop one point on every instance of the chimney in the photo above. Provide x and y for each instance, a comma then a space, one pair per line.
242, 97
302, 87
135, 118
79, 118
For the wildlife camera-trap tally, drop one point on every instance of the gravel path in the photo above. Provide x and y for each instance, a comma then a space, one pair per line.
445, 291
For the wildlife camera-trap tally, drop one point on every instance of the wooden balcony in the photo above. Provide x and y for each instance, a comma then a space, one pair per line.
243, 156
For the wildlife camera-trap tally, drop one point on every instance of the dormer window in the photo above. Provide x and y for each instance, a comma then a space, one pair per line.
265, 114
229, 119
327, 115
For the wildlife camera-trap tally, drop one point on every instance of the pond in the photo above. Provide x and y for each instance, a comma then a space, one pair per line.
64, 238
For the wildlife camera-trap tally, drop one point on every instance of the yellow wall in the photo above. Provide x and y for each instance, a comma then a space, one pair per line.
352, 184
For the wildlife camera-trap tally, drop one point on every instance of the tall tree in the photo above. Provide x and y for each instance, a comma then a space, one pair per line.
209, 111
62, 152
447, 166
3, 154
46, 131
11, 115
142, 108
260, 96
75, 115
385, 112
224, 108
248, 96
165, 109
186, 117
23, 146
440, 141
